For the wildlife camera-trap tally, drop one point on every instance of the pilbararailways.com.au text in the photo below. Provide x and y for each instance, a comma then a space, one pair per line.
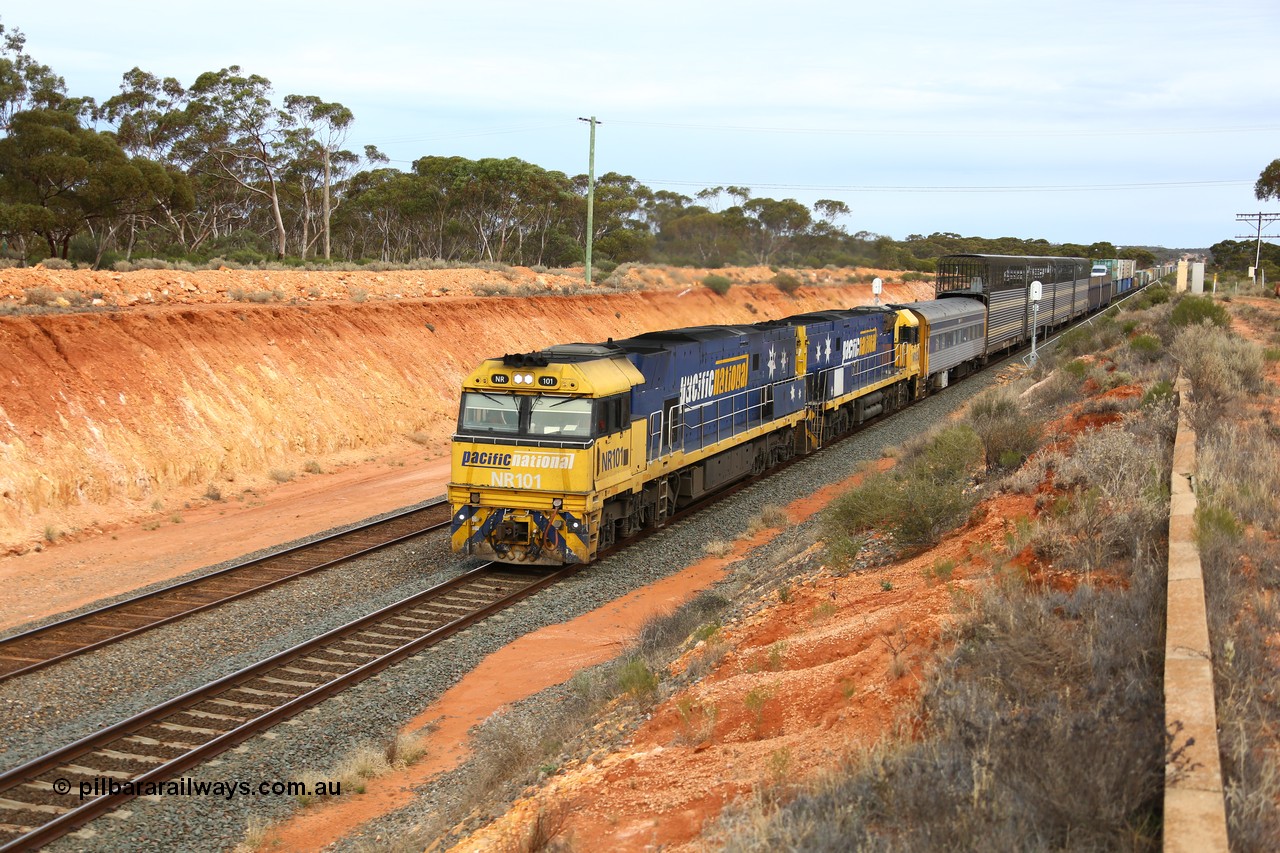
187, 787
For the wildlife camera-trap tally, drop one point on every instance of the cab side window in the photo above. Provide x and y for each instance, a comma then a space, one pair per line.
613, 414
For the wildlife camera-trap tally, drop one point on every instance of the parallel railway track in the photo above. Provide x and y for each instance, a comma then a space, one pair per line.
40, 800
57, 641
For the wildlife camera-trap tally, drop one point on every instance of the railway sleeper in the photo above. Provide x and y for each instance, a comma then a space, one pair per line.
37, 808
338, 650
265, 693
253, 707
306, 685
371, 644
164, 745
35, 793
178, 726
334, 665
81, 770
130, 756
214, 715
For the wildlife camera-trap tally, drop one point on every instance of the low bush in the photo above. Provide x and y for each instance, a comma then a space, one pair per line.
925, 495
1008, 434
1194, 310
42, 296
1076, 342
1068, 682
662, 634
1146, 347
1159, 392
1221, 368
1240, 472
1117, 498
1038, 678
787, 282
1235, 525
717, 284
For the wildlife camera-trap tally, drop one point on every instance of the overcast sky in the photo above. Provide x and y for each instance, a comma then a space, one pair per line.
1142, 123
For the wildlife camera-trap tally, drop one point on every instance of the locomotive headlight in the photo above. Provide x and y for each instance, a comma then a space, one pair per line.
528, 379
518, 379
557, 503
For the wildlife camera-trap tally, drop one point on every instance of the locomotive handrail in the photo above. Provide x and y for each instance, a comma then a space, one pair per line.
752, 413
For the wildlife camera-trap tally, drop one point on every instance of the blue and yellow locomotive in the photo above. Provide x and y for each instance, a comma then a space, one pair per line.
562, 452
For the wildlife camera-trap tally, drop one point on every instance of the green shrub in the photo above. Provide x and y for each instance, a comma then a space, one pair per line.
1146, 347
787, 282
717, 284
1194, 310
1215, 524
1152, 296
1221, 368
636, 679
1008, 435
923, 497
1075, 342
1159, 392
1076, 368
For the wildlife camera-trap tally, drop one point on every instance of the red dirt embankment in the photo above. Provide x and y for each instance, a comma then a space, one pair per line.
110, 416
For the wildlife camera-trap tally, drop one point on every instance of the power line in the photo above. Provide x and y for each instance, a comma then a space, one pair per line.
1028, 188
497, 131
834, 131
948, 132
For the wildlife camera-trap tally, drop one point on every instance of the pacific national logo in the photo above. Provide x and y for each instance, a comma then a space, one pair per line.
472, 459
729, 374
501, 459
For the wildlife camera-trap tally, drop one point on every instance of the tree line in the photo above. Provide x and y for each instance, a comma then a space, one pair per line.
222, 168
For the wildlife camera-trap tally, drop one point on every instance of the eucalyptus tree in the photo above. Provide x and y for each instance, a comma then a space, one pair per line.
662, 206
830, 210
152, 121
319, 130
698, 235
621, 232
26, 84
1268, 183
58, 179
773, 224
500, 201
239, 136
375, 212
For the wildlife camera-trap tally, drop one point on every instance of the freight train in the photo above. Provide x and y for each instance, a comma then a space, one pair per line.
562, 452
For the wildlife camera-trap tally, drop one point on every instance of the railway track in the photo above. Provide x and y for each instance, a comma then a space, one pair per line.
57, 641
41, 800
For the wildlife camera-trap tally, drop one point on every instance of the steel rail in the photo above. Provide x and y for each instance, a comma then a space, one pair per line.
521, 586
37, 648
